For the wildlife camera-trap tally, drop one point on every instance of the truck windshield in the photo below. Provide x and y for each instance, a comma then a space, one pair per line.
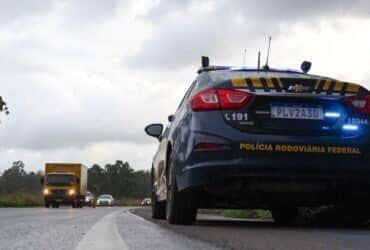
60, 179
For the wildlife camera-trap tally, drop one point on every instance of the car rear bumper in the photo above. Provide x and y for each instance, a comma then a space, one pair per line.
104, 204
266, 179
278, 166
280, 162
245, 154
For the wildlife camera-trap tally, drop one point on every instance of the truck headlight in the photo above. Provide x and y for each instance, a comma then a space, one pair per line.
71, 192
46, 191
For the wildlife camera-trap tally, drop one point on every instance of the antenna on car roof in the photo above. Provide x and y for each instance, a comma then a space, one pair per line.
244, 56
259, 60
266, 67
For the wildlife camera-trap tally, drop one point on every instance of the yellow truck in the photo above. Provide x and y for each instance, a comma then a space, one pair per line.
64, 183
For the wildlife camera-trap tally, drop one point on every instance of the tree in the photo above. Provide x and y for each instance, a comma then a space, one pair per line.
118, 179
3, 106
96, 175
11, 180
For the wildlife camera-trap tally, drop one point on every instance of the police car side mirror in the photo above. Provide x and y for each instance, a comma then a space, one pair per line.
154, 130
306, 66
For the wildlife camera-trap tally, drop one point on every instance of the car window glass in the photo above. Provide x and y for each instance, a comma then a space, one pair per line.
186, 94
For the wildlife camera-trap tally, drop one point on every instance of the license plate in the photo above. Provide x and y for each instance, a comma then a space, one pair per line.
300, 112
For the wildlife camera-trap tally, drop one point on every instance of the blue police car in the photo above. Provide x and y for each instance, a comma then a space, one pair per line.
262, 138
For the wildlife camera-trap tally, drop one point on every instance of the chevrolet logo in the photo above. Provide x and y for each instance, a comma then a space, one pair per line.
299, 88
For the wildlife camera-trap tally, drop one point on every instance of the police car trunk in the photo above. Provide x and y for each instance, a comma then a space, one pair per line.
293, 104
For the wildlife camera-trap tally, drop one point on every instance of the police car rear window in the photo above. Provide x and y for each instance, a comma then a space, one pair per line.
224, 75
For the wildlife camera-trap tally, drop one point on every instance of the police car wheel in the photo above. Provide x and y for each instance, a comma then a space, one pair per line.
158, 208
180, 209
349, 216
284, 215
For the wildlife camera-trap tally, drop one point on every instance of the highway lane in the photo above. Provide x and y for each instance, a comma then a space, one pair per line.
254, 234
41, 228
123, 228
86, 229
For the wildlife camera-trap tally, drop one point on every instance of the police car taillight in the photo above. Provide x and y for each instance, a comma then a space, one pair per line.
205, 100
359, 104
219, 99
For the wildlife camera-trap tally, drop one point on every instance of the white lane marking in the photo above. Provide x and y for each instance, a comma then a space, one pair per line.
103, 235
141, 234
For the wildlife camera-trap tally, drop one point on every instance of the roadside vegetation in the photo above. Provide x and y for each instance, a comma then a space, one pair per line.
239, 213
21, 200
19, 188
247, 213
128, 202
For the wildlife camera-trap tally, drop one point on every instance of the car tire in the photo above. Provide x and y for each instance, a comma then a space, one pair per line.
284, 215
158, 208
180, 206
348, 216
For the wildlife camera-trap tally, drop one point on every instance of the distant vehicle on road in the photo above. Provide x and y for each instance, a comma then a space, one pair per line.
263, 138
89, 199
146, 202
64, 183
105, 200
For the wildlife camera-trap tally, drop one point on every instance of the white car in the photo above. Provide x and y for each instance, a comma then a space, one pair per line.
105, 200
89, 198
146, 202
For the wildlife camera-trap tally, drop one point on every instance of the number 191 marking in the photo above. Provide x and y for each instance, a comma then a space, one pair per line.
236, 116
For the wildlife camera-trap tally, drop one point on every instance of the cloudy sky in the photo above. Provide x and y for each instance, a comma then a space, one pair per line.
83, 77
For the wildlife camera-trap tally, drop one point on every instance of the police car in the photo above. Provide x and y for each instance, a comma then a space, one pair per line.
262, 138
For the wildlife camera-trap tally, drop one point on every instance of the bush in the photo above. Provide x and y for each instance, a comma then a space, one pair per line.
127, 202
247, 213
21, 200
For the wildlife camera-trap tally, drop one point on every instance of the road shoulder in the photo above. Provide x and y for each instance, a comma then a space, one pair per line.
103, 235
139, 233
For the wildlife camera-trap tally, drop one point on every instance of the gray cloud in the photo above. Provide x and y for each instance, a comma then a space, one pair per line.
74, 12
280, 10
182, 34
60, 115
90, 11
11, 10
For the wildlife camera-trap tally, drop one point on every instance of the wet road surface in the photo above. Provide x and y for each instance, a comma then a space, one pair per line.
123, 228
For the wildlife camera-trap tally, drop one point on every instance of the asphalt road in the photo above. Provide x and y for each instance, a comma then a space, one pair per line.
122, 228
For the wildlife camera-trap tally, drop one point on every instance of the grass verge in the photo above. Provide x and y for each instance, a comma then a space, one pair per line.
21, 200
128, 202
32, 200
247, 213
239, 213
